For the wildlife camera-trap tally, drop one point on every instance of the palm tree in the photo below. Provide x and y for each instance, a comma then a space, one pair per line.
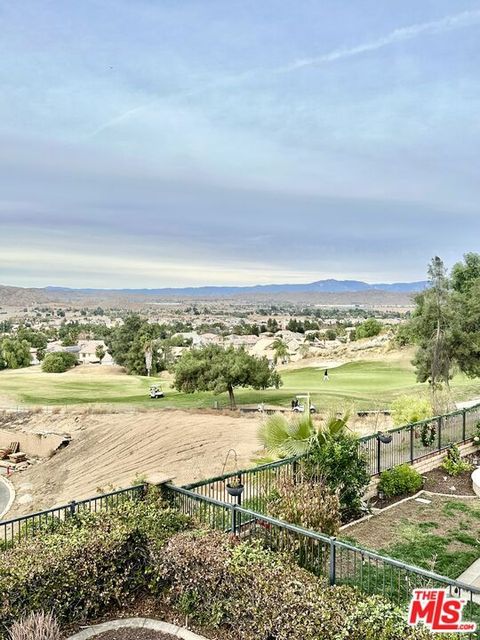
283, 437
280, 348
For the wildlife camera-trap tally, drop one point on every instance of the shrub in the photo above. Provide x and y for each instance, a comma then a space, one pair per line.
255, 594
341, 465
368, 329
399, 481
408, 409
36, 626
476, 435
58, 362
86, 564
308, 504
453, 463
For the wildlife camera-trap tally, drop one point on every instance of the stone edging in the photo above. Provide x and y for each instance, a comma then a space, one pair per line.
137, 623
11, 490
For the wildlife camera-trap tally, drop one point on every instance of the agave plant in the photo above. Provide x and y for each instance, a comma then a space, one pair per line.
283, 437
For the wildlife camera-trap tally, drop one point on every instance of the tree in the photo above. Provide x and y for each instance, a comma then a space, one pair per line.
466, 273
368, 329
213, 368
58, 362
433, 329
35, 339
15, 353
100, 352
272, 325
280, 349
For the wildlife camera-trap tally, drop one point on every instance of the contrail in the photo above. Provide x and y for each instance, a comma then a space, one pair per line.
448, 23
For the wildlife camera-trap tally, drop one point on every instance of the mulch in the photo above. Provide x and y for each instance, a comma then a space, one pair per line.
437, 481
134, 633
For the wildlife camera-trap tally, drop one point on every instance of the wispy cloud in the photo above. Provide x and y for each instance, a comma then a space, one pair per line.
448, 23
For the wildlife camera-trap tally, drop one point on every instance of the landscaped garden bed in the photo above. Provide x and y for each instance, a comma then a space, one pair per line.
437, 481
440, 533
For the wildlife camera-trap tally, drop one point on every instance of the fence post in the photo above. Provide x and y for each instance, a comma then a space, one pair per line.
412, 435
333, 562
440, 433
294, 471
234, 519
379, 466
464, 425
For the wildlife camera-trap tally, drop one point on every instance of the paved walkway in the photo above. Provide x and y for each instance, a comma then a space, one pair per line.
4, 495
146, 623
471, 576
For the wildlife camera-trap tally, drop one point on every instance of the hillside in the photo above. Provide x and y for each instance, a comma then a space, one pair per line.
327, 292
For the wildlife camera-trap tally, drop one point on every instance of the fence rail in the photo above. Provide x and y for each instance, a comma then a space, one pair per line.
27, 526
409, 444
338, 562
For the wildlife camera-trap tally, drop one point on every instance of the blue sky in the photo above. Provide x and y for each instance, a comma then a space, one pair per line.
188, 142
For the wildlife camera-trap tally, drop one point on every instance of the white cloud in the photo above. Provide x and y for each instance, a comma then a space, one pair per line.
448, 23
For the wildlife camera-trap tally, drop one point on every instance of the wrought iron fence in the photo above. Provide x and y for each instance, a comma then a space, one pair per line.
407, 444
29, 525
338, 562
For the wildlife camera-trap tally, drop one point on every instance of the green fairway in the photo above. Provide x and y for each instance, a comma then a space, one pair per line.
363, 384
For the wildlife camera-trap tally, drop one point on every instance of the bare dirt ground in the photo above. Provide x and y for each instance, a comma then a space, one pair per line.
110, 450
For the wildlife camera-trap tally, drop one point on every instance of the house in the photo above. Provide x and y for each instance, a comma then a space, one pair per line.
87, 352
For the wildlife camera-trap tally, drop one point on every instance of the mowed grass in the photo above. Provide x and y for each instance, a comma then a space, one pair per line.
361, 385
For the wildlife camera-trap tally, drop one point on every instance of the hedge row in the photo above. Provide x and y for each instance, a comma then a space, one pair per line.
89, 563
257, 594
95, 561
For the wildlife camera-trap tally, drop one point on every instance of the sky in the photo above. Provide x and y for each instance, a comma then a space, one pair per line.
186, 142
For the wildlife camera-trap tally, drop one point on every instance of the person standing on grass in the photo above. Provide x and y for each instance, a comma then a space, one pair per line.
325, 376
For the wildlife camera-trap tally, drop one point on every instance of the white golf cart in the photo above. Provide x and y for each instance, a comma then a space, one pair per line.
156, 392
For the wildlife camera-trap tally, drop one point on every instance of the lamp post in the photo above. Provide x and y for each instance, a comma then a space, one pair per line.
382, 438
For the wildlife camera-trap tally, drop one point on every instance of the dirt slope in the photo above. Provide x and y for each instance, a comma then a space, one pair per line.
111, 449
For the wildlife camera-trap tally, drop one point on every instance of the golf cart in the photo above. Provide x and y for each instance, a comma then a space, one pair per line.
156, 392
300, 408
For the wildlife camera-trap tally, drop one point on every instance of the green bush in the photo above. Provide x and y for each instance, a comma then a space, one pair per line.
368, 329
408, 409
339, 463
453, 463
399, 481
252, 594
89, 563
311, 505
58, 362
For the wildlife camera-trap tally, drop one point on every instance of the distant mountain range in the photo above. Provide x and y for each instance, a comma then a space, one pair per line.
320, 286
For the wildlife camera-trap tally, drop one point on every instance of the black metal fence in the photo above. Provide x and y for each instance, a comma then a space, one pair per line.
419, 440
26, 526
338, 562
407, 444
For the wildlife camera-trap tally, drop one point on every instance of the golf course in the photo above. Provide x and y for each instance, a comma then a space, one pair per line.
364, 384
